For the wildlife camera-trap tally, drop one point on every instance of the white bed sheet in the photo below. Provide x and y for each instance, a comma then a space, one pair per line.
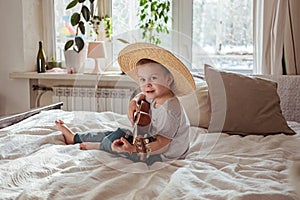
36, 164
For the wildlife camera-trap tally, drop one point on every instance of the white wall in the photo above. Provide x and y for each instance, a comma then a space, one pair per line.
21, 29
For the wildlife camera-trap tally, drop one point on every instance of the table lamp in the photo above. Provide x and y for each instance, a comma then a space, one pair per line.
96, 50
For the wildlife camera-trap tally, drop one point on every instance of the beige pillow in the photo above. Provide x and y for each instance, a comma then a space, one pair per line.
244, 105
197, 105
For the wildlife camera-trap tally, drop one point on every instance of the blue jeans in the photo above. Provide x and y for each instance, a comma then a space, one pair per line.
106, 139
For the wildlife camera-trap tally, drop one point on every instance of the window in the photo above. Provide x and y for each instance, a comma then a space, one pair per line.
221, 30
224, 30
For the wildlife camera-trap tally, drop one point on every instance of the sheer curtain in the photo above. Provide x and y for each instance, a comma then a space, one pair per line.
274, 36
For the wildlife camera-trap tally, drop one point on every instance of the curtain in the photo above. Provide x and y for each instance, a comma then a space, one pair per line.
274, 30
292, 38
104, 8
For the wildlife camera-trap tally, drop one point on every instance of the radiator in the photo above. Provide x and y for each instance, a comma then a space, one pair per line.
92, 99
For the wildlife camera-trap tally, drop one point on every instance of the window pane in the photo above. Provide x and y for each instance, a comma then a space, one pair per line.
125, 19
125, 24
63, 28
224, 30
124, 16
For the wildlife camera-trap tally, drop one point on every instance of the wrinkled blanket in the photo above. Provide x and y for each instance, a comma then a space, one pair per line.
35, 163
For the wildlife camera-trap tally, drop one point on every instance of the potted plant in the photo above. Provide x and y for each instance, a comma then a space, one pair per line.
154, 17
53, 63
76, 56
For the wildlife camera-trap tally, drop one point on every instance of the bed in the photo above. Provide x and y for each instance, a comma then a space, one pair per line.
35, 163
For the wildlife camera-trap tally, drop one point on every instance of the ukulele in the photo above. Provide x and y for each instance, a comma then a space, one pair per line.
141, 118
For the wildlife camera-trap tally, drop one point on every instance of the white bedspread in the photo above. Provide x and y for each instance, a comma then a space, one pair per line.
36, 164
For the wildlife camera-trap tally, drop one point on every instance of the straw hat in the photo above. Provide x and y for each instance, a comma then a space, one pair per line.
183, 80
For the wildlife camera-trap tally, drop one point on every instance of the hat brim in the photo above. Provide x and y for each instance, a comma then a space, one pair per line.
183, 80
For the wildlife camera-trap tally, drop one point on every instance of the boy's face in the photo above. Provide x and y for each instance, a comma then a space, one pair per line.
154, 80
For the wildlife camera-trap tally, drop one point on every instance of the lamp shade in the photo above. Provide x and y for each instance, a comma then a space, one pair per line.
96, 50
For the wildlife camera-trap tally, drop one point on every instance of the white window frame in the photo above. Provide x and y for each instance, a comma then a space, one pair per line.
182, 13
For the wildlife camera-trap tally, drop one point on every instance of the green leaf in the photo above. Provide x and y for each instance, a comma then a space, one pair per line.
68, 44
81, 1
85, 13
158, 41
143, 2
81, 27
153, 6
79, 44
123, 41
157, 29
161, 14
144, 35
75, 18
72, 4
143, 16
166, 19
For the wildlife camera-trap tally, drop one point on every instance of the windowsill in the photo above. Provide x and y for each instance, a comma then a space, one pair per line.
106, 76
108, 79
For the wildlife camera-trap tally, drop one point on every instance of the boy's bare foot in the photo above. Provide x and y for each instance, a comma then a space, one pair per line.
90, 146
67, 133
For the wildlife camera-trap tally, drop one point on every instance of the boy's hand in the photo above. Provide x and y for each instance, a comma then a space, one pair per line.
133, 107
122, 145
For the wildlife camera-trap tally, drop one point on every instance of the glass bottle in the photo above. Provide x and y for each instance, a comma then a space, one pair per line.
41, 59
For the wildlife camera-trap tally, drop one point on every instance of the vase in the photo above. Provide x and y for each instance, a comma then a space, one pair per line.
75, 60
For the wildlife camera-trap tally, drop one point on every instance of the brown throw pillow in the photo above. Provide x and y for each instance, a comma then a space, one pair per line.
244, 105
197, 105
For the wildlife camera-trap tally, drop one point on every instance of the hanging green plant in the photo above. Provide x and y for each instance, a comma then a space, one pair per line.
77, 21
96, 21
154, 17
